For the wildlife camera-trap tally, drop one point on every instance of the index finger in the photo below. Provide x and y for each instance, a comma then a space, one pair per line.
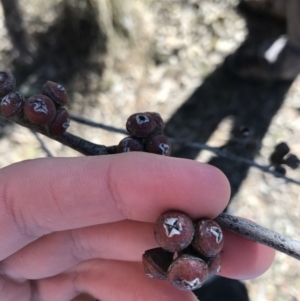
54, 194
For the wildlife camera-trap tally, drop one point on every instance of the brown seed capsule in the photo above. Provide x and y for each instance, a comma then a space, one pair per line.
56, 92
130, 144
60, 122
39, 109
187, 272
11, 104
209, 238
7, 83
158, 144
173, 231
156, 263
214, 264
158, 120
140, 125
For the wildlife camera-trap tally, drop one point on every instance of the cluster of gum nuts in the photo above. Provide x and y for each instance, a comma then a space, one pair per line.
189, 252
146, 135
44, 110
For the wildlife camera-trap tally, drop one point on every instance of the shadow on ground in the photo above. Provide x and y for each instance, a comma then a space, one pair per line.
251, 104
62, 52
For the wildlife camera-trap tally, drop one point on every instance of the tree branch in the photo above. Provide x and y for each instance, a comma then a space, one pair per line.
257, 233
217, 151
43, 146
99, 125
81, 145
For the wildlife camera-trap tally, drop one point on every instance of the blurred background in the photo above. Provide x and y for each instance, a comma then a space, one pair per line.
119, 57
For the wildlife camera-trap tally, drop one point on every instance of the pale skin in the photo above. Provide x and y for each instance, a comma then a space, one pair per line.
81, 225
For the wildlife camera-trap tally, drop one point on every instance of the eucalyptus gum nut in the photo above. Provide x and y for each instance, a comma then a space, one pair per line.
209, 238
11, 104
56, 92
7, 83
158, 120
156, 263
60, 123
158, 144
173, 231
140, 125
130, 144
39, 109
214, 264
188, 272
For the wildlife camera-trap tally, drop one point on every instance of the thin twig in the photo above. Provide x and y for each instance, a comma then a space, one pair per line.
81, 145
89, 122
43, 145
91, 149
215, 150
257, 233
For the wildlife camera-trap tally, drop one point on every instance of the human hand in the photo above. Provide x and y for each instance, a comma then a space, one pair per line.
73, 225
